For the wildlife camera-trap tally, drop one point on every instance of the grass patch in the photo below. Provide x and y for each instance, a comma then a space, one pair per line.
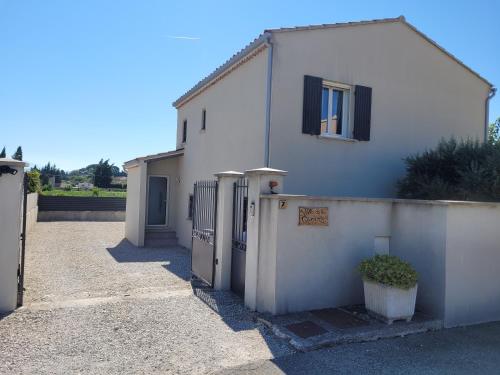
85, 193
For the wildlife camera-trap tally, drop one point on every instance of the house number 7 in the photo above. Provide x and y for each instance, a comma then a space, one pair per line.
283, 204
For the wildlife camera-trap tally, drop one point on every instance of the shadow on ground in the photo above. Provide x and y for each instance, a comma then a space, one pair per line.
232, 311
227, 305
177, 259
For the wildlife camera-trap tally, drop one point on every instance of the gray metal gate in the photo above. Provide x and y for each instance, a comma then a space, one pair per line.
239, 238
204, 221
22, 247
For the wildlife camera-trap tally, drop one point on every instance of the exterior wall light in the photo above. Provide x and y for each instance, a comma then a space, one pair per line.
272, 185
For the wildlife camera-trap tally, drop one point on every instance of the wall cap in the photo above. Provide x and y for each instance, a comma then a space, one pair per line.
381, 200
229, 174
266, 171
13, 162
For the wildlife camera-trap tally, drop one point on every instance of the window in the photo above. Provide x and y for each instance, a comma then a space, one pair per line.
335, 110
190, 207
184, 131
203, 119
327, 108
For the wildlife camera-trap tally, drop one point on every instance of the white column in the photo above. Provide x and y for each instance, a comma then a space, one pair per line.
135, 214
143, 203
11, 195
224, 229
260, 181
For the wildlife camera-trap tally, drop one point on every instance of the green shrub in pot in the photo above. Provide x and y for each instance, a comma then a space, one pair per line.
388, 270
390, 288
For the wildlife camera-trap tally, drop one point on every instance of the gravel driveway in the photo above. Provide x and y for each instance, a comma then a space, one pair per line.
96, 304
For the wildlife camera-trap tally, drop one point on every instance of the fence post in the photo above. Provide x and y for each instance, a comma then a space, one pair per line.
11, 196
260, 181
224, 227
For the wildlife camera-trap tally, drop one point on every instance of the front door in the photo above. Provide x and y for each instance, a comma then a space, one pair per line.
157, 200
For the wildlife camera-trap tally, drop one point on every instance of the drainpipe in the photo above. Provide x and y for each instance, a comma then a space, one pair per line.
269, 44
492, 93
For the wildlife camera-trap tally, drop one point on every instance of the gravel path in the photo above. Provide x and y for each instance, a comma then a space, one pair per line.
96, 304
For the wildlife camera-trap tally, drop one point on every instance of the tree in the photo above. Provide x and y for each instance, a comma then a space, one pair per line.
454, 170
2, 154
494, 132
51, 170
18, 155
34, 185
103, 174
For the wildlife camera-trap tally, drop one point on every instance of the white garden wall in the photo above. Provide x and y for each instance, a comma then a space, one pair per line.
31, 211
11, 196
454, 246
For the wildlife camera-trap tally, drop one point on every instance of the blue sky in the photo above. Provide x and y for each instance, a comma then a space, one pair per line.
84, 80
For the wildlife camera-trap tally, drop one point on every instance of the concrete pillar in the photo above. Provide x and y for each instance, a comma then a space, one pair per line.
260, 181
224, 229
135, 214
11, 196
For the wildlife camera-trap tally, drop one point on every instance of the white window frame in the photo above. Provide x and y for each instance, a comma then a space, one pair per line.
346, 110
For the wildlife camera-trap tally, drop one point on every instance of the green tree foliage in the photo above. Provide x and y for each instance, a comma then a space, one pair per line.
103, 174
494, 132
34, 185
51, 170
3, 154
18, 155
454, 170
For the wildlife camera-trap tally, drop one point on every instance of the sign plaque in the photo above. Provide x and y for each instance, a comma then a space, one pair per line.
313, 216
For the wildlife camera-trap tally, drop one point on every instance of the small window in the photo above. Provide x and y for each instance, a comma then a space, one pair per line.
335, 110
203, 119
190, 207
184, 131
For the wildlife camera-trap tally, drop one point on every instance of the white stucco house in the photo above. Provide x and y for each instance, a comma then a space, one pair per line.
337, 106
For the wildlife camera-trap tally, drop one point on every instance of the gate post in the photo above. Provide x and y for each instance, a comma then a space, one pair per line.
11, 196
224, 227
260, 181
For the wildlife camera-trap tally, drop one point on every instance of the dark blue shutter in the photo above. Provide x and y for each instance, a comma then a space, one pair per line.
311, 110
362, 113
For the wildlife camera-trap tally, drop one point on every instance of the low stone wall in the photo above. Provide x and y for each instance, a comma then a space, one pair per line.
454, 247
31, 211
81, 216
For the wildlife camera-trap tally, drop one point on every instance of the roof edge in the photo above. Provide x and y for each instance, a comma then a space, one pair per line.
235, 59
442, 49
263, 39
400, 19
336, 25
162, 155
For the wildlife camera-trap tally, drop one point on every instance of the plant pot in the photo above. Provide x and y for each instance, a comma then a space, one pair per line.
390, 303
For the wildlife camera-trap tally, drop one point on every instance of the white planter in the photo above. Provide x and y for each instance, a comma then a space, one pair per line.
388, 302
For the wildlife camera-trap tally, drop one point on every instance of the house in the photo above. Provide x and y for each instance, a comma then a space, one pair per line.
338, 106
84, 185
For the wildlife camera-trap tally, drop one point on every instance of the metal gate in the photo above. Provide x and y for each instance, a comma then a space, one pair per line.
239, 240
204, 221
22, 247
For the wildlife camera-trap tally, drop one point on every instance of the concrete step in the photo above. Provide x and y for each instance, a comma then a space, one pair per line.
165, 234
162, 242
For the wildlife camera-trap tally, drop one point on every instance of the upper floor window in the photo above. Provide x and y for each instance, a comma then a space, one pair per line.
203, 119
327, 107
335, 110
184, 131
